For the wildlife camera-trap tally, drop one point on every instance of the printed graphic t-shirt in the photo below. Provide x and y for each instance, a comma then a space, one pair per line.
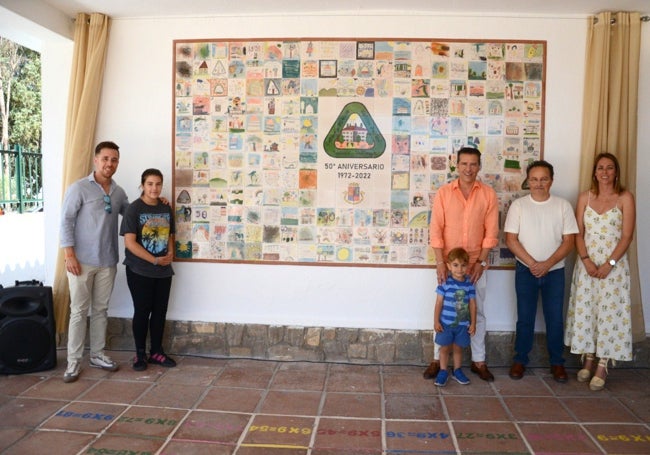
152, 226
455, 306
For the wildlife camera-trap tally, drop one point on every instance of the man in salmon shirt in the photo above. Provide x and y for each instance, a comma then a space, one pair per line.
465, 214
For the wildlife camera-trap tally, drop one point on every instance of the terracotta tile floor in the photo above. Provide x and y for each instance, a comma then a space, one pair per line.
250, 407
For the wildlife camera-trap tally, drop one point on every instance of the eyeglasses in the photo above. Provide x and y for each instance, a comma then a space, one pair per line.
107, 204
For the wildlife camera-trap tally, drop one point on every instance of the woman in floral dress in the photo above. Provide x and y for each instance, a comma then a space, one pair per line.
599, 316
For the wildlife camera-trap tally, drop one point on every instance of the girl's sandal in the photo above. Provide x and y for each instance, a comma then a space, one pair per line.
597, 383
585, 374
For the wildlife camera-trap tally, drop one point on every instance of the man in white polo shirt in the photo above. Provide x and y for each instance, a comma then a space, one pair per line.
540, 231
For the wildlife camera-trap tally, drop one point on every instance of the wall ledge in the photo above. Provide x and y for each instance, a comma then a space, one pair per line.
330, 344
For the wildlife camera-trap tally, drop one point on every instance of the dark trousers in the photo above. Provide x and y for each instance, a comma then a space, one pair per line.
150, 298
528, 288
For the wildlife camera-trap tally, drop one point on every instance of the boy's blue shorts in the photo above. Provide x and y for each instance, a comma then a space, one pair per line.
453, 335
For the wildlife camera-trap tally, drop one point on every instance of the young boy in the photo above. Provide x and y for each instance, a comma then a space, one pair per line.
455, 316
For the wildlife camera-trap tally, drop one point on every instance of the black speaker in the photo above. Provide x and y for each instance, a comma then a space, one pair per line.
27, 330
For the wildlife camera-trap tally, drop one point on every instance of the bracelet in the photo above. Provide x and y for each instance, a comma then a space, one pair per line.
440, 262
155, 261
584, 257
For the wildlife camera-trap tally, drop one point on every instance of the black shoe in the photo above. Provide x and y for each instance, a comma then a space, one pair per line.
139, 363
160, 358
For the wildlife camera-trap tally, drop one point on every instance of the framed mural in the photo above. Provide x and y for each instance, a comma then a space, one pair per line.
329, 151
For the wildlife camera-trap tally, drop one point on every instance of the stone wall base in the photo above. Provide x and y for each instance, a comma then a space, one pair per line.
329, 344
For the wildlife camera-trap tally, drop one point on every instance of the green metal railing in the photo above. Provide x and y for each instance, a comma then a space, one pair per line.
21, 181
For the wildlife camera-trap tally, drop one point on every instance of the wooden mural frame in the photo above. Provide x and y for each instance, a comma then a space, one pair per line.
319, 151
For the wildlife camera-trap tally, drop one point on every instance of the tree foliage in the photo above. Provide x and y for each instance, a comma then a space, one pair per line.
20, 96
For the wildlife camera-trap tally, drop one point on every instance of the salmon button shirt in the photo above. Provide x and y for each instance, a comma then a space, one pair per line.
471, 223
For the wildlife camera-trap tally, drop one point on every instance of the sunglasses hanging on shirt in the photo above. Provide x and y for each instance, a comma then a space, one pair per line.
107, 204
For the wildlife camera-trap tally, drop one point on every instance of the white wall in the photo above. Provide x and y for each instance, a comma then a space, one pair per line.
136, 112
642, 180
56, 63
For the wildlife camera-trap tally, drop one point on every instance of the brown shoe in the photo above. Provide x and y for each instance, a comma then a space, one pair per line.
432, 370
482, 371
559, 373
517, 370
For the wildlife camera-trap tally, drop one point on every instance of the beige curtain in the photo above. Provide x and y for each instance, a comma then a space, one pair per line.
90, 43
610, 114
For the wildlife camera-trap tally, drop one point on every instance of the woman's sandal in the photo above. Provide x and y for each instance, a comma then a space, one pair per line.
597, 383
585, 374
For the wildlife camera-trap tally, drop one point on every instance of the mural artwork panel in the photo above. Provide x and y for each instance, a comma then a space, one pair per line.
329, 152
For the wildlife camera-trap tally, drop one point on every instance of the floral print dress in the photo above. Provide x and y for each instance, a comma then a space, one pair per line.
599, 314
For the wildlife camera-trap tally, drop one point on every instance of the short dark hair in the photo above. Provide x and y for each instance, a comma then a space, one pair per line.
107, 145
540, 163
469, 151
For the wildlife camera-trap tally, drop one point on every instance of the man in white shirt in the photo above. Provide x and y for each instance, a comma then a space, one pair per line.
540, 231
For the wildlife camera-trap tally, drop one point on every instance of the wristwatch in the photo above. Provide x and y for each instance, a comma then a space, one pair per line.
612, 262
483, 264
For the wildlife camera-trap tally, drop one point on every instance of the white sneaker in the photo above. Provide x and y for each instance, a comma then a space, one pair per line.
72, 372
104, 362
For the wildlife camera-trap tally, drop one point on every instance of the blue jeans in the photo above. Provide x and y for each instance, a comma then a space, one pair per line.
528, 288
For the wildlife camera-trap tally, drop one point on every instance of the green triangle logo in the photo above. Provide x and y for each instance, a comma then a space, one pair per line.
354, 134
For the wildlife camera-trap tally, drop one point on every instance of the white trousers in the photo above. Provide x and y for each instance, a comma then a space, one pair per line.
90, 291
478, 340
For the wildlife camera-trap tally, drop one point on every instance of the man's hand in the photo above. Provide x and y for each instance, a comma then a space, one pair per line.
540, 269
441, 273
476, 272
72, 265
